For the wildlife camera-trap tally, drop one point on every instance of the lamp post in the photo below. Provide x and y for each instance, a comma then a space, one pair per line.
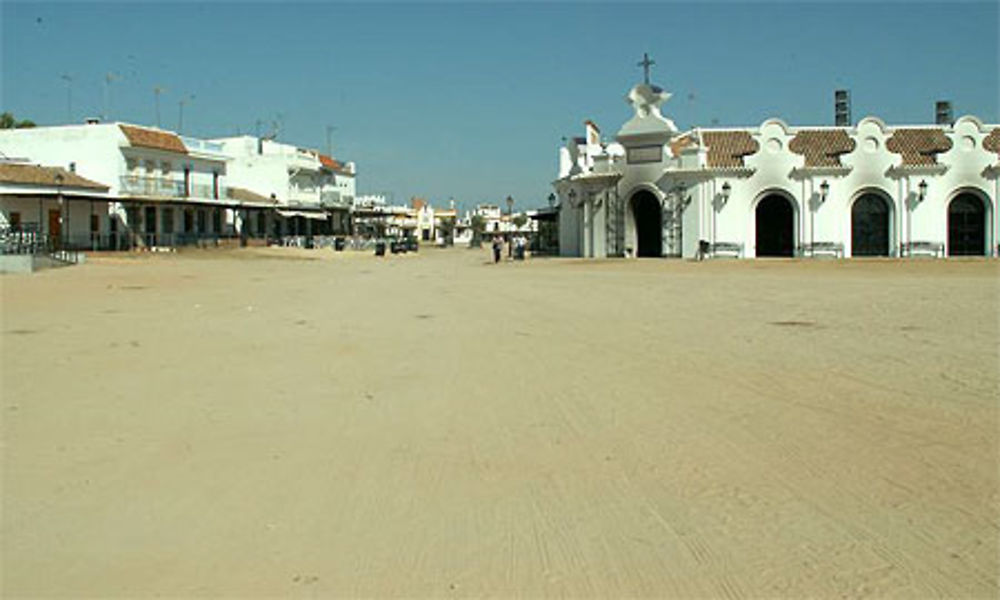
510, 224
552, 200
63, 220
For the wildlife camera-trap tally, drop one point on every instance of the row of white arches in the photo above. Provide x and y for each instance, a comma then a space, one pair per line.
968, 218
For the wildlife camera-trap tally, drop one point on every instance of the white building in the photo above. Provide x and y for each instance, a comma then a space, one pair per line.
313, 193
161, 189
774, 190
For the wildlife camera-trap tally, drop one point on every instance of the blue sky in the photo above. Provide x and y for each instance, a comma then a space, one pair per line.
471, 100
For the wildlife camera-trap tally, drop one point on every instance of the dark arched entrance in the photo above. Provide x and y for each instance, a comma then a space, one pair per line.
966, 226
648, 224
775, 227
870, 226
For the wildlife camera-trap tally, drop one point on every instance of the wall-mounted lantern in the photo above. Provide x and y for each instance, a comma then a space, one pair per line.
922, 186
824, 190
726, 190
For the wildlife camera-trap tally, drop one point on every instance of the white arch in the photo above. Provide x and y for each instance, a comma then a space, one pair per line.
886, 197
988, 208
796, 217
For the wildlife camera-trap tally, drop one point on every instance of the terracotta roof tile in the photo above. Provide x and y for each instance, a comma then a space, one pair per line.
727, 148
141, 137
822, 147
45, 176
992, 141
328, 162
681, 142
918, 146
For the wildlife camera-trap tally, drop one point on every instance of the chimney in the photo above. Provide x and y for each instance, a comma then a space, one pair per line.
942, 113
842, 108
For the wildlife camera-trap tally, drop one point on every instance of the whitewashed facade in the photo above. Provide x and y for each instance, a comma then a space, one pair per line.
775, 190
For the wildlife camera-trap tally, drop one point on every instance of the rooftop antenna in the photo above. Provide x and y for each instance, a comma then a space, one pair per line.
156, 94
180, 115
109, 78
69, 96
329, 144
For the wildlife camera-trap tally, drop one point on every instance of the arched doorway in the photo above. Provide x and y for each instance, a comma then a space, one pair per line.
648, 224
870, 226
775, 226
966, 226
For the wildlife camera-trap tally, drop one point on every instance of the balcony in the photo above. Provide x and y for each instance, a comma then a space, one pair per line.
334, 199
155, 187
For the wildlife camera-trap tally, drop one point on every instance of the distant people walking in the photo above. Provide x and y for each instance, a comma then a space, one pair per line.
497, 249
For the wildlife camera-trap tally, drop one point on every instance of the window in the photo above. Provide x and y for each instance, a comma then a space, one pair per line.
15, 221
201, 221
165, 168
216, 220
187, 181
150, 167
95, 224
132, 165
215, 185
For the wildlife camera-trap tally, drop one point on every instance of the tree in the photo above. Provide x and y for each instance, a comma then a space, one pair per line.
7, 121
519, 220
478, 225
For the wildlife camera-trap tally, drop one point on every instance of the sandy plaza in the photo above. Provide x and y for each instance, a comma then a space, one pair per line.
295, 423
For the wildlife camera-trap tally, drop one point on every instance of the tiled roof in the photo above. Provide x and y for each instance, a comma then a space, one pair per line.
727, 148
822, 147
244, 195
45, 176
992, 141
141, 137
681, 142
918, 146
328, 162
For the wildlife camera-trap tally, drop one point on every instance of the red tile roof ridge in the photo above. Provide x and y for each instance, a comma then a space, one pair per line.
157, 139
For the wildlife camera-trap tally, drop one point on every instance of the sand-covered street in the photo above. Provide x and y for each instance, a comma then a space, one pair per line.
292, 423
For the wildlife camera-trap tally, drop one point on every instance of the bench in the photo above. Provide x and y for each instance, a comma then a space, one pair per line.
835, 249
731, 249
935, 249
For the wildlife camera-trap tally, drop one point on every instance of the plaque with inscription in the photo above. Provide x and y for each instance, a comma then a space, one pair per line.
644, 154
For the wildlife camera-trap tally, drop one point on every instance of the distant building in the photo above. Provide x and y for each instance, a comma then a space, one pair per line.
870, 189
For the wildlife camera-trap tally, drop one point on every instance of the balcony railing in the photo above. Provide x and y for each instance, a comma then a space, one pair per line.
152, 186
168, 188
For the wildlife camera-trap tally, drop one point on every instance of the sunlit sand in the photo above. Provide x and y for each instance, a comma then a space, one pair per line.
310, 423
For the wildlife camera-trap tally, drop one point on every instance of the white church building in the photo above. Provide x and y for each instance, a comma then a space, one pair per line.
870, 189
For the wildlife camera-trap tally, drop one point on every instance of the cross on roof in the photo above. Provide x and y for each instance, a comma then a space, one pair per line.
645, 64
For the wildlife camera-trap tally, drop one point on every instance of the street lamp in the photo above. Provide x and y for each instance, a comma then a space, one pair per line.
59, 198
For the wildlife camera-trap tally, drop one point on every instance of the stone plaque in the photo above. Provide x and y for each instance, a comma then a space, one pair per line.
645, 154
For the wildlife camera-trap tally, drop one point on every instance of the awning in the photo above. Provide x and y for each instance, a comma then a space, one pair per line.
299, 213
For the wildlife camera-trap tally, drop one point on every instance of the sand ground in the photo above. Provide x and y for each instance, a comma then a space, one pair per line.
304, 423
